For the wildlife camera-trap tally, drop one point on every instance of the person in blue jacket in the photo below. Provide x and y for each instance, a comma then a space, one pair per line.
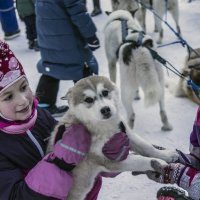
8, 19
26, 171
66, 38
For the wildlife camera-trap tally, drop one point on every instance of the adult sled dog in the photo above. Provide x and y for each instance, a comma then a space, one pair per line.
94, 105
126, 42
160, 7
191, 70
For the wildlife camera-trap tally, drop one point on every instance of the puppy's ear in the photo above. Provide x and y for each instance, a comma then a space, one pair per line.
68, 95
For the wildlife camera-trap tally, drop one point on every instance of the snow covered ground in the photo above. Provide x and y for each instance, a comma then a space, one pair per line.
181, 111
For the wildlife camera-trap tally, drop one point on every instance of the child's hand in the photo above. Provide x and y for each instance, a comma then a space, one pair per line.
168, 174
93, 42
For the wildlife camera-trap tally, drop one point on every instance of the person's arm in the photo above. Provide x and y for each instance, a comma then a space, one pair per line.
51, 178
80, 17
187, 178
13, 185
193, 158
83, 22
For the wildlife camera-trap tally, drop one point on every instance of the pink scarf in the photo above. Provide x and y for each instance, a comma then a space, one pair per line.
20, 127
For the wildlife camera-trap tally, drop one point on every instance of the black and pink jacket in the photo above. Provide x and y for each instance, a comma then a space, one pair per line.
190, 176
19, 154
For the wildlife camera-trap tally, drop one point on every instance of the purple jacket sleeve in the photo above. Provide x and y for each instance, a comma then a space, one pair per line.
190, 181
195, 137
45, 181
12, 184
193, 158
190, 176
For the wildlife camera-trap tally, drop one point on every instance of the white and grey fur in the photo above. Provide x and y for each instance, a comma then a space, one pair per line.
137, 67
161, 8
101, 117
190, 71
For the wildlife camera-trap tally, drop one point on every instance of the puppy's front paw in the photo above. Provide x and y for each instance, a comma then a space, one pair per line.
170, 156
158, 165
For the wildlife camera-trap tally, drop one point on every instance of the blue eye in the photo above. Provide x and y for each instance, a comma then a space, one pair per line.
89, 100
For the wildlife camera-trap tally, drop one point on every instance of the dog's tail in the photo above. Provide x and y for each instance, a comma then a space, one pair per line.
144, 71
147, 76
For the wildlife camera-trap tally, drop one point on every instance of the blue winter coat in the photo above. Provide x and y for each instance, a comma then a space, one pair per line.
63, 26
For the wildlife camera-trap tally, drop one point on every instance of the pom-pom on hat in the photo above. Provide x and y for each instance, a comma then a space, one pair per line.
11, 69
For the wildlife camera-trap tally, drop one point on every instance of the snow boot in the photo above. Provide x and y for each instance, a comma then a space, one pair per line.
171, 193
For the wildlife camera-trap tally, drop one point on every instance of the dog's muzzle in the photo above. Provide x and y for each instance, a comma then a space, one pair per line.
106, 112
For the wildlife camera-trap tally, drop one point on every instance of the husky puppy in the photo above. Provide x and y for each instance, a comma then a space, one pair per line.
95, 103
137, 66
191, 71
161, 7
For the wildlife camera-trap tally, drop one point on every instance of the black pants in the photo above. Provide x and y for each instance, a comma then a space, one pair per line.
96, 4
47, 90
30, 24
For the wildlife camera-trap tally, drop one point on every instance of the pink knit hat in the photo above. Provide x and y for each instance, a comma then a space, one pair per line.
11, 69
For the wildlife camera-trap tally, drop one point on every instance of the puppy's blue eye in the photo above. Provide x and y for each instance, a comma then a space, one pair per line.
105, 93
89, 100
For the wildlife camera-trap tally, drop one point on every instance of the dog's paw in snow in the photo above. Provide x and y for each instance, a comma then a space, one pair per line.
158, 165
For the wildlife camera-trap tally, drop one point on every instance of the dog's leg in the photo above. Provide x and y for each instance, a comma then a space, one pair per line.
142, 147
134, 163
144, 19
141, 16
137, 95
166, 125
84, 177
127, 97
159, 8
175, 14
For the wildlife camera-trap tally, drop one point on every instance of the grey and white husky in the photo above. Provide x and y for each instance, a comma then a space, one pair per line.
137, 66
95, 103
161, 7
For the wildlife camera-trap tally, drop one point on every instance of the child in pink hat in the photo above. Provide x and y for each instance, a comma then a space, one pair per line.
26, 173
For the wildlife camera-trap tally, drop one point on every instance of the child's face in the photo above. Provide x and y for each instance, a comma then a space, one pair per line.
16, 101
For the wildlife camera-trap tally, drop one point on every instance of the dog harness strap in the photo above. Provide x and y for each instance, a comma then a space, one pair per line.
62, 164
33, 139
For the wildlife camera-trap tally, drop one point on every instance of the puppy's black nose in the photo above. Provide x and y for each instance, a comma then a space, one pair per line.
106, 112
